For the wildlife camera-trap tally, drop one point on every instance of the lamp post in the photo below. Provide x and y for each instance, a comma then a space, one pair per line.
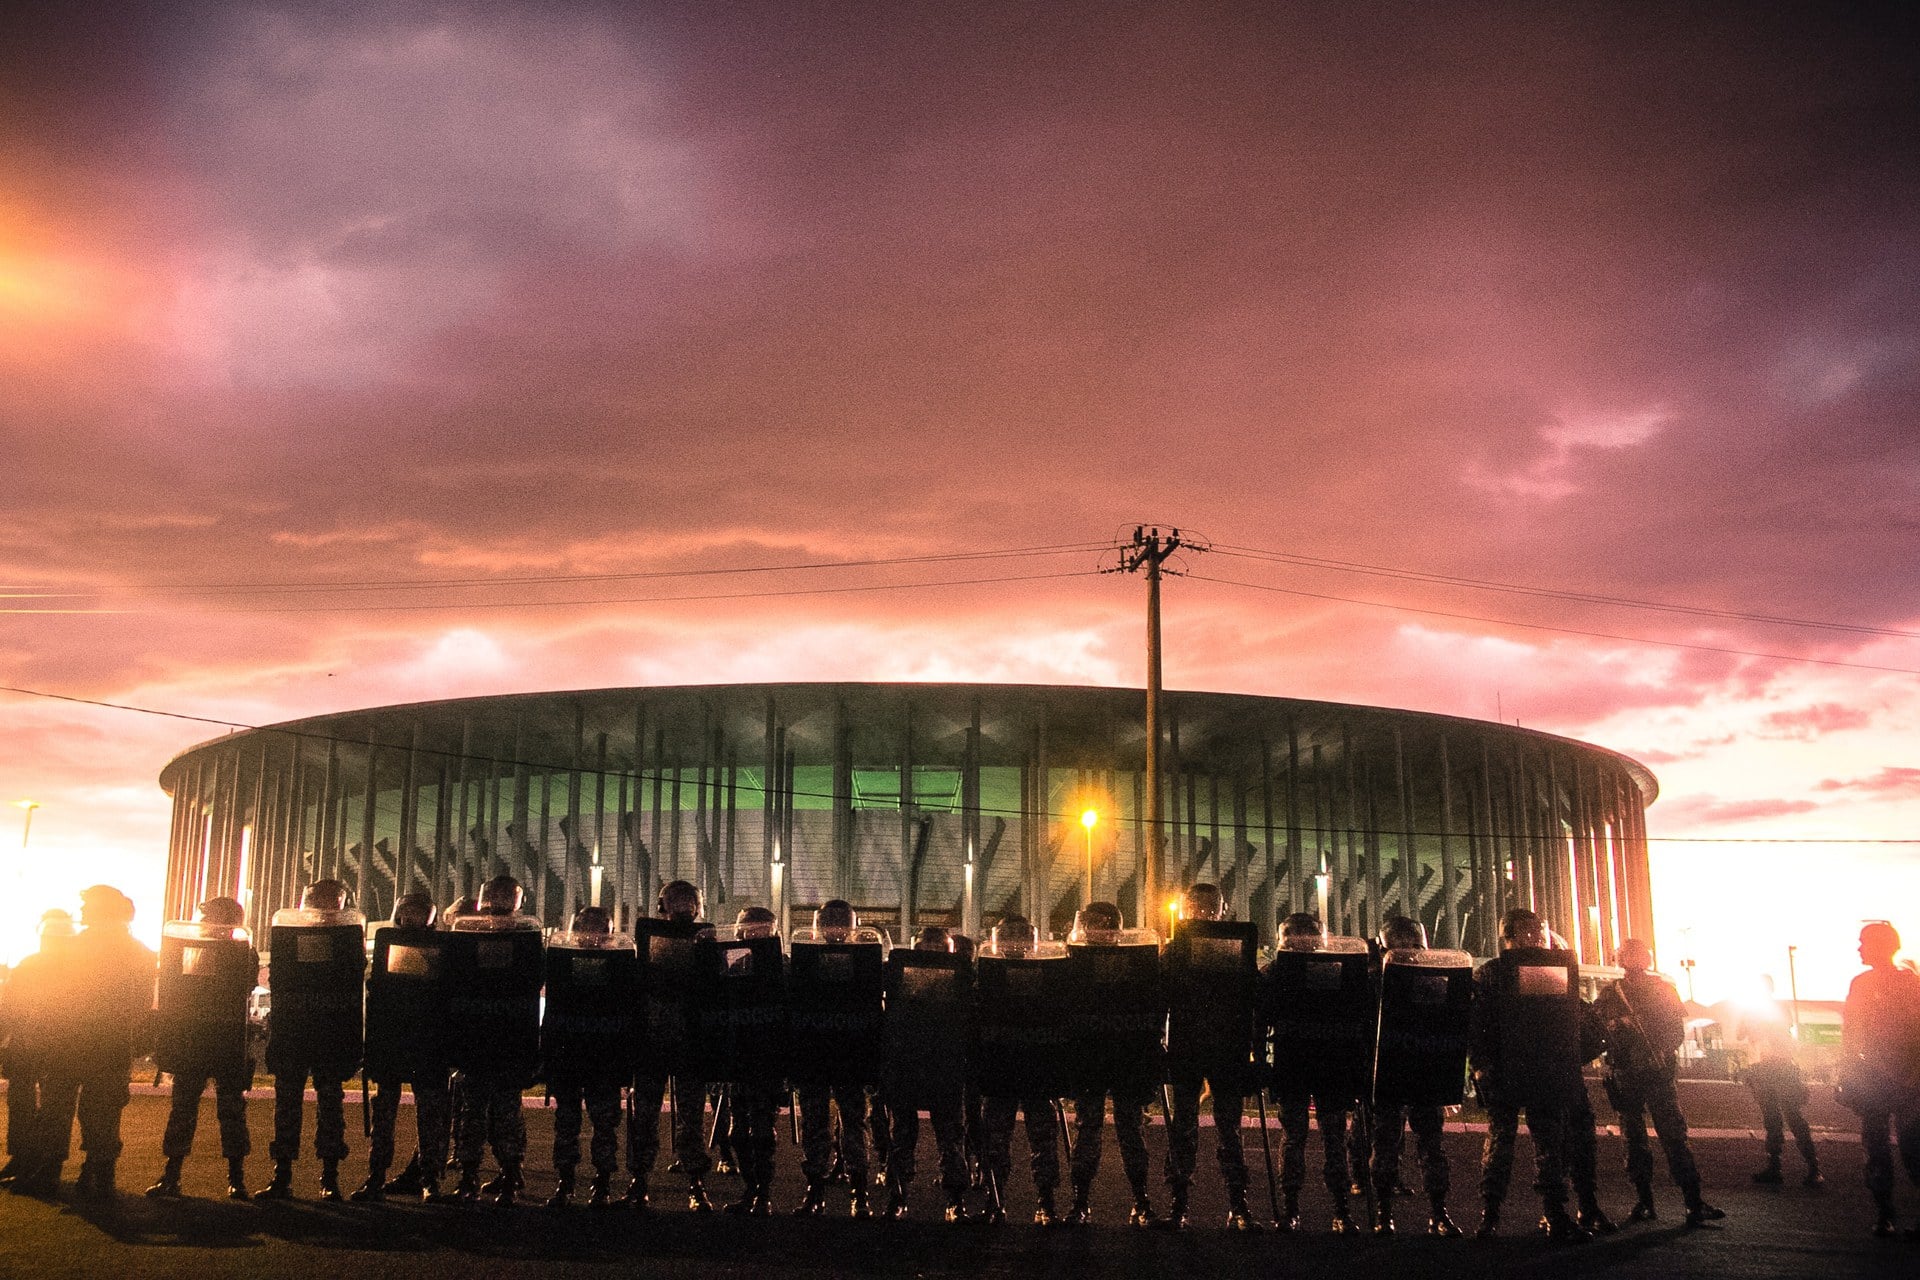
26, 829
1090, 819
1793, 991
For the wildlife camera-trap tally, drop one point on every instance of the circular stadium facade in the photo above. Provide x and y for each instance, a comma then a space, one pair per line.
924, 803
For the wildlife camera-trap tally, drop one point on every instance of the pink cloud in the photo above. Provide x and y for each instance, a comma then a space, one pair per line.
1892, 780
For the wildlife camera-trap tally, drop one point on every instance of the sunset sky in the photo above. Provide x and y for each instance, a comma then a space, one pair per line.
1618, 305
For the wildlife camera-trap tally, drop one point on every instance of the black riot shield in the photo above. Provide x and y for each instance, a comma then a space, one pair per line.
1022, 1003
666, 987
1426, 1007
740, 1008
1211, 973
835, 998
928, 1024
1119, 1013
586, 1033
1536, 995
1319, 1007
408, 996
316, 972
206, 974
495, 965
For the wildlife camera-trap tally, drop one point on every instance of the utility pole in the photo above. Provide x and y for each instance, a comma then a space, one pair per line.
1149, 550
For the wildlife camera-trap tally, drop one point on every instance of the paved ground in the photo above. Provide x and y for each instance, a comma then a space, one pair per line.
1791, 1232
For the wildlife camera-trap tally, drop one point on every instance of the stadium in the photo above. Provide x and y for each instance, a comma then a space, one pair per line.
946, 804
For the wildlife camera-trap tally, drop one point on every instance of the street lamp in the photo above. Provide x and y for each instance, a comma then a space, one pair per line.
1090, 819
26, 828
1793, 989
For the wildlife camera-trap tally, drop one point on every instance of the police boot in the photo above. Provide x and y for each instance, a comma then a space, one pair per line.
40, 1181
430, 1190
505, 1188
1045, 1213
1813, 1178
1439, 1221
409, 1182
1142, 1214
697, 1195
562, 1197
1176, 1219
1289, 1219
1770, 1176
956, 1207
281, 1187
168, 1188
96, 1180
1342, 1223
862, 1206
10, 1171
330, 1180
237, 1180
600, 1191
1560, 1227
749, 1194
1489, 1221
373, 1190
1699, 1212
1080, 1213
814, 1202
1594, 1220
636, 1196
1383, 1215
1239, 1218
1883, 1219
896, 1203
467, 1190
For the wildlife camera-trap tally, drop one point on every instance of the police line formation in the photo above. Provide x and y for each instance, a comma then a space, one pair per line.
469, 1011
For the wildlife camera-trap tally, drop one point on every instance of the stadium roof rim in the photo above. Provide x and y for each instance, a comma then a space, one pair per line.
1643, 777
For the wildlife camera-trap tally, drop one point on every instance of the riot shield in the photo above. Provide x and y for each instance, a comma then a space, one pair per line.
925, 1038
316, 972
207, 971
1023, 999
740, 1008
1426, 1007
586, 1032
1211, 972
494, 967
1319, 1007
408, 997
835, 998
1118, 1012
1536, 992
666, 987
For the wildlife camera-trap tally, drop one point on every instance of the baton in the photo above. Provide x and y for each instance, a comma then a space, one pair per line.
366, 1106
720, 1108
1266, 1146
1364, 1111
793, 1115
1066, 1130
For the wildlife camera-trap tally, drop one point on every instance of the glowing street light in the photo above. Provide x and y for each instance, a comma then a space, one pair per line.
1090, 819
26, 828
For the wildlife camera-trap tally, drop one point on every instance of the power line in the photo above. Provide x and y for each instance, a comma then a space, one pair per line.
1551, 593
31, 592
640, 775
1565, 631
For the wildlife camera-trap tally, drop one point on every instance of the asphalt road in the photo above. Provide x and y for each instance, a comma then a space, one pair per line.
1787, 1232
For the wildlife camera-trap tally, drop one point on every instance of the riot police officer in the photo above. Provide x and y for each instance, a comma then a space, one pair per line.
586, 1037
317, 976
1420, 1065
1022, 1058
1780, 1090
834, 1041
1880, 1065
1527, 1017
668, 1054
1646, 1024
1319, 1007
22, 1028
1119, 1012
207, 972
406, 1044
926, 1037
103, 1003
742, 1008
497, 959
1210, 984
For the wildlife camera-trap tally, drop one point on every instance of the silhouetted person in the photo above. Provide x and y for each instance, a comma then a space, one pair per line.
1781, 1090
495, 1035
926, 1069
1210, 988
23, 1012
1120, 1013
208, 970
1880, 1049
1021, 1066
585, 1039
826, 1084
1392, 1114
1321, 1076
669, 1054
407, 1011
